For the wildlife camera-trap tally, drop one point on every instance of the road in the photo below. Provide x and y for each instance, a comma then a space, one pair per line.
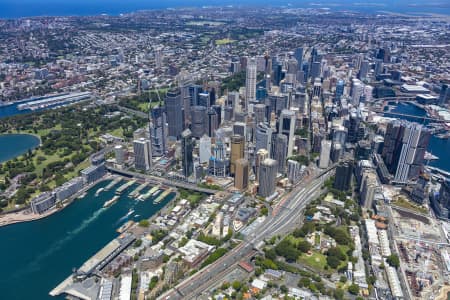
279, 222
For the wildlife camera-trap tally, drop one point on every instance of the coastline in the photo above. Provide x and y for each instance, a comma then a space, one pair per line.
26, 215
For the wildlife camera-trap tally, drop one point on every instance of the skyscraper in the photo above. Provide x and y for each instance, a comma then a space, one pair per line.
293, 171
250, 82
198, 121
241, 176
279, 152
158, 131
343, 177
444, 95
287, 127
261, 155
264, 137
299, 57
441, 201
237, 151
267, 177
363, 70
404, 149
205, 149
212, 122
174, 112
142, 154
260, 113
187, 147
325, 151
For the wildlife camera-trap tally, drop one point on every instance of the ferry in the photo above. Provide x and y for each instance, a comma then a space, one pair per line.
123, 187
162, 196
111, 202
125, 226
150, 193
82, 196
99, 191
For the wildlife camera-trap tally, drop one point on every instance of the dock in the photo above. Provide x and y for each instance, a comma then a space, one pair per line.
113, 183
162, 196
150, 193
123, 187
137, 190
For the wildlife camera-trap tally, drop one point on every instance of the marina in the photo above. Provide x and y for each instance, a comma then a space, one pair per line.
125, 186
162, 196
113, 183
137, 190
149, 194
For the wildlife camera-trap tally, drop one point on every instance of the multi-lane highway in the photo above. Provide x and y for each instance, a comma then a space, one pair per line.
281, 221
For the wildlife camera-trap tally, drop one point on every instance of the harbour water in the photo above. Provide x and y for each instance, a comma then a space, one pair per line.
37, 255
13, 145
437, 146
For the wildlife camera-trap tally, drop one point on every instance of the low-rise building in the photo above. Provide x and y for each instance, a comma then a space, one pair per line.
43, 202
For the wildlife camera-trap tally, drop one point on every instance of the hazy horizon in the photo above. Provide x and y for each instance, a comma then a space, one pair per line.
31, 8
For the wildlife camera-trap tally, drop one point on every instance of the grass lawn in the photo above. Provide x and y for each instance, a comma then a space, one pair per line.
316, 260
402, 202
225, 41
117, 132
294, 240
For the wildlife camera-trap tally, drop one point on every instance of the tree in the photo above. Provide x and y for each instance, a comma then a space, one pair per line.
353, 289
333, 261
393, 260
144, 223
304, 246
338, 294
304, 282
283, 289
237, 285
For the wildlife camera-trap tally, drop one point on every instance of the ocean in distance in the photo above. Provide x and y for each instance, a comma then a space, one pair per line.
13, 145
12, 9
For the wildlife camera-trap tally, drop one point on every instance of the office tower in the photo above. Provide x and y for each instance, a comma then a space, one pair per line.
119, 152
237, 151
228, 113
279, 151
336, 152
299, 57
292, 66
240, 128
142, 154
299, 101
187, 148
194, 91
441, 202
158, 131
260, 113
241, 176
264, 137
276, 103
234, 101
415, 142
379, 68
343, 177
184, 82
205, 149
293, 171
363, 150
368, 91
250, 82
261, 155
357, 91
305, 69
212, 122
363, 70
315, 70
396, 75
369, 188
158, 58
204, 99
218, 109
287, 127
404, 149
325, 150
317, 88
340, 89
267, 177
353, 126
444, 95
198, 121
174, 113
278, 74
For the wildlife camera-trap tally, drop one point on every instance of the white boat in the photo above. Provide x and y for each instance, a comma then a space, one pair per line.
99, 191
111, 202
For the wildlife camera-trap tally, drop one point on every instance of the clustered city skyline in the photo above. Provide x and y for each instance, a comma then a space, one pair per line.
275, 153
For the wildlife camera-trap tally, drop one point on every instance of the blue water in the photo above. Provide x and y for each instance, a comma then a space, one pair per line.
13, 145
36, 256
438, 147
27, 8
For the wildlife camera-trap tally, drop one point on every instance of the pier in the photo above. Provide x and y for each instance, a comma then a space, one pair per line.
137, 190
113, 183
123, 187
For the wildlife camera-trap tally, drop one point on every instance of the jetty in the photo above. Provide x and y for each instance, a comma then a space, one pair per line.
123, 187
113, 183
137, 190
162, 196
